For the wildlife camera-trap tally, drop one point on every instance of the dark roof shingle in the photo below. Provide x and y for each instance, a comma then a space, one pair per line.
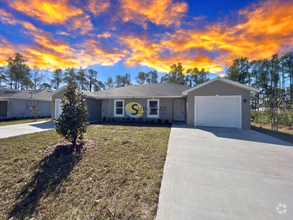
35, 95
144, 90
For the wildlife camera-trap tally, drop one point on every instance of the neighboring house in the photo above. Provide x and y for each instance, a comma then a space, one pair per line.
218, 102
24, 103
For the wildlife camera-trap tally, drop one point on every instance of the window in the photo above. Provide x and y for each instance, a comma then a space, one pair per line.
119, 108
153, 108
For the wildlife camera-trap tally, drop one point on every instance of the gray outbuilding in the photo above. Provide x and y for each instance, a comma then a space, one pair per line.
218, 102
24, 103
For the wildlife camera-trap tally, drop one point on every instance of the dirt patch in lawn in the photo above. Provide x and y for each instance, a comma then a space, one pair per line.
67, 148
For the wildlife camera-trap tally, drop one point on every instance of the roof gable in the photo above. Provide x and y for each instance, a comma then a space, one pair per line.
57, 91
228, 81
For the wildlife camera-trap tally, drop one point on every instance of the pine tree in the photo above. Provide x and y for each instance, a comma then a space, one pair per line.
57, 78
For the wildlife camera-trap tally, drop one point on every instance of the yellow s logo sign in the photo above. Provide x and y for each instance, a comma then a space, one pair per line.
134, 110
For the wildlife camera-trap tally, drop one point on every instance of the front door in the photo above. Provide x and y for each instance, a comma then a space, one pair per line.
179, 110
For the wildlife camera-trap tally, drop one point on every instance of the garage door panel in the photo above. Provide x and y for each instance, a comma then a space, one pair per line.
217, 112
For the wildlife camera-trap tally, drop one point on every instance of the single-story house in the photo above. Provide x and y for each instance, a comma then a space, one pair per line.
24, 103
219, 102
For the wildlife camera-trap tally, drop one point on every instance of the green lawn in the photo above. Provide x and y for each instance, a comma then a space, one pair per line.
21, 121
119, 179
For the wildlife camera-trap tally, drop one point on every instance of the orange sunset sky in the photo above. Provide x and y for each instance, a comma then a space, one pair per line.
115, 37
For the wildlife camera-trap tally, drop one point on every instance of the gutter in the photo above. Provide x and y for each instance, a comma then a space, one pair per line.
133, 97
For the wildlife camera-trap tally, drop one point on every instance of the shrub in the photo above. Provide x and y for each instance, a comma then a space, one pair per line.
284, 117
113, 120
133, 120
108, 120
159, 121
140, 120
148, 121
152, 121
123, 120
167, 121
118, 120
104, 119
128, 120
72, 122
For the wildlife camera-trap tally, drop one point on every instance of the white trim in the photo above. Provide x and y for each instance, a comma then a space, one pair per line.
132, 97
226, 96
119, 115
228, 81
158, 110
56, 100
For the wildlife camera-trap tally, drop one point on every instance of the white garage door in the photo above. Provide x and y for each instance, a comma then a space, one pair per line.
217, 111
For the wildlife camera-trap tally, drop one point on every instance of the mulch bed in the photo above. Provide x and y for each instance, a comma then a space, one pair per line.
66, 148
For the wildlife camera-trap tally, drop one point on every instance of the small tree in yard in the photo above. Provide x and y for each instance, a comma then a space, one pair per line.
72, 122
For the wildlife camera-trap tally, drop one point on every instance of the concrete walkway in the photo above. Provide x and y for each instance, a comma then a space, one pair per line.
219, 173
27, 128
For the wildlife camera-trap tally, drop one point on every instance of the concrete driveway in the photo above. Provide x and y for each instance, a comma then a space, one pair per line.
218, 173
27, 128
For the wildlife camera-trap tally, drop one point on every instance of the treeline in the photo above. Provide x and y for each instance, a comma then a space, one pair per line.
274, 78
18, 75
188, 77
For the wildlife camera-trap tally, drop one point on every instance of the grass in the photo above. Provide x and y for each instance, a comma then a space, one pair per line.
283, 133
119, 179
21, 121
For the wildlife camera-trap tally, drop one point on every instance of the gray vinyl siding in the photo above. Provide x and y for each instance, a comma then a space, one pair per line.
94, 109
19, 108
221, 89
165, 103
94, 106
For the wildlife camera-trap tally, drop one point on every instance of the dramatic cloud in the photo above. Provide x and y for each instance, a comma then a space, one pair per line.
92, 52
159, 55
6, 50
98, 6
105, 35
49, 52
7, 18
160, 12
64, 33
267, 29
44, 55
55, 12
